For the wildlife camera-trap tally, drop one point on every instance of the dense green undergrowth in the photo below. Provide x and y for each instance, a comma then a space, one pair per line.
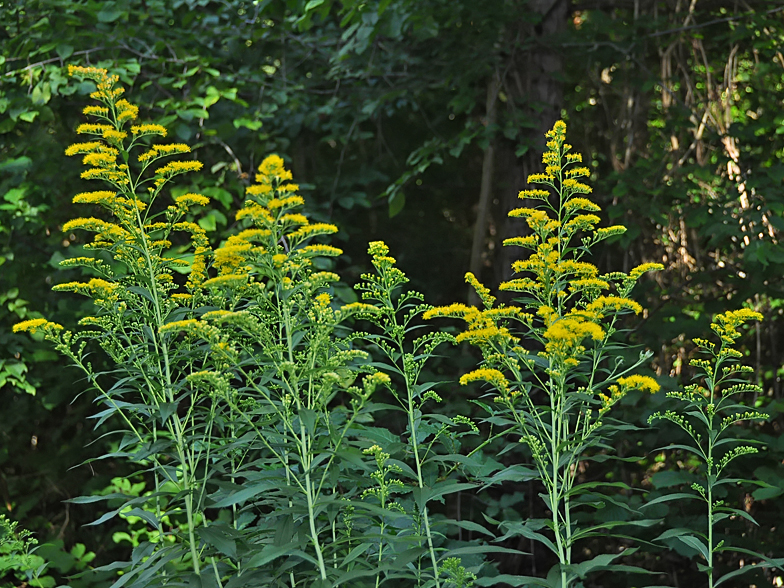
285, 433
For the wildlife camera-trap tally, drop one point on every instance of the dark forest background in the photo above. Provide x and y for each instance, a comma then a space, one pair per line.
415, 122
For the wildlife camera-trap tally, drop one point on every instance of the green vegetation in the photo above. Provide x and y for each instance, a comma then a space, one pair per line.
257, 401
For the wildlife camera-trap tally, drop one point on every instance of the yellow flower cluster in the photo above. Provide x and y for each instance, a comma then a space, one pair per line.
491, 376
725, 325
101, 291
34, 325
643, 383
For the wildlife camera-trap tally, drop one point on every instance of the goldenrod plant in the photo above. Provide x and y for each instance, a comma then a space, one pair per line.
284, 437
240, 392
550, 359
16, 554
431, 441
235, 366
708, 413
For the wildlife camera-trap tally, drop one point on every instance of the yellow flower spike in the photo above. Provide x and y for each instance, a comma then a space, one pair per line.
588, 284
324, 250
577, 172
637, 272
95, 111
312, 231
33, 325
613, 303
259, 189
642, 383
149, 129
582, 222
126, 111
79, 148
100, 159
228, 259
92, 73
178, 167
540, 179
297, 219
456, 310
484, 293
191, 199
573, 331
529, 242
256, 212
612, 231
102, 197
533, 194
492, 376
272, 165
581, 204
286, 203
486, 335
93, 129
521, 212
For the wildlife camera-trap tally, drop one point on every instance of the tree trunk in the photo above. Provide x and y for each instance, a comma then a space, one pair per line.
531, 84
488, 168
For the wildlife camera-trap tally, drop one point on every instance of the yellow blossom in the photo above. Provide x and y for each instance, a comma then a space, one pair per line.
100, 159
78, 148
114, 136
103, 197
581, 204
313, 230
358, 308
481, 291
456, 310
605, 303
326, 250
530, 241
93, 129
259, 189
191, 199
33, 325
297, 219
492, 376
149, 129
178, 167
643, 383
637, 272
126, 110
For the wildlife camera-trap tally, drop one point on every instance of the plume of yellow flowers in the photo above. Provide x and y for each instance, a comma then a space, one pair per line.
138, 234
276, 237
567, 304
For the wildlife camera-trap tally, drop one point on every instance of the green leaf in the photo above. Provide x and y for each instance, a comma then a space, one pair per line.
668, 479
767, 493
396, 203
269, 553
734, 574
516, 581
64, 50
668, 497
529, 531
241, 496
220, 537
109, 12
600, 562
695, 543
